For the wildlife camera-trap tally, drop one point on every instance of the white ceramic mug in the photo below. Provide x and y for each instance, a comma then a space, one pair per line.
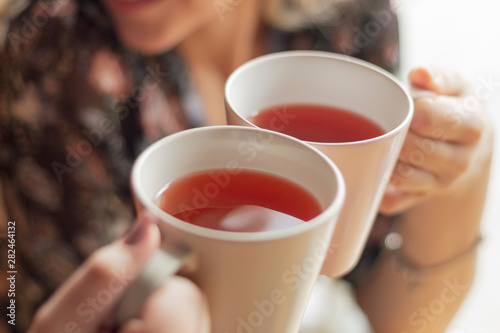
314, 77
254, 281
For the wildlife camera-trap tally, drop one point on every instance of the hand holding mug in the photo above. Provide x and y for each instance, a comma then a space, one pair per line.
443, 140
87, 299
255, 279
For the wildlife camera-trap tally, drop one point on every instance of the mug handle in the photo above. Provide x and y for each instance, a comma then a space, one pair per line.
163, 264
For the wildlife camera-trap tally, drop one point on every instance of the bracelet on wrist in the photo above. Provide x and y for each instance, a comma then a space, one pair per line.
393, 243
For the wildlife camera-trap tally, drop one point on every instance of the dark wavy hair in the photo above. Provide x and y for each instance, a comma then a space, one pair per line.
44, 47
46, 36
40, 26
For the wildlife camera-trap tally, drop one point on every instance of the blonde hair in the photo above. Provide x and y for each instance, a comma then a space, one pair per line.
294, 15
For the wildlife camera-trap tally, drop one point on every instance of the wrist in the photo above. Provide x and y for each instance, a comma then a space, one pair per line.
445, 224
394, 245
418, 272
430, 243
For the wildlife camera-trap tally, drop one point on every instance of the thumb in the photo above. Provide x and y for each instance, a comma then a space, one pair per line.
90, 294
439, 81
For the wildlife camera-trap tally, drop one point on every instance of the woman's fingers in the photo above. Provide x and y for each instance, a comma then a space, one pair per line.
86, 300
177, 306
447, 119
396, 201
443, 160
439, 81
450, 115
440, 145
406, 177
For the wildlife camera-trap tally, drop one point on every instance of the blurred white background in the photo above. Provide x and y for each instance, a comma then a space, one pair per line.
465, 35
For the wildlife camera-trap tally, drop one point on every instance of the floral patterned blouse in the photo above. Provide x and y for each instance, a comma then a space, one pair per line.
76, 109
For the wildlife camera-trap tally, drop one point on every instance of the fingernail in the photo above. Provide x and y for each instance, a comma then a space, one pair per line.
137, 233
421, 78
436, 77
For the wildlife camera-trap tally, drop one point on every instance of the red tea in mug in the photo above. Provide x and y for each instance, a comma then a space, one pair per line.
317, 123
246, 201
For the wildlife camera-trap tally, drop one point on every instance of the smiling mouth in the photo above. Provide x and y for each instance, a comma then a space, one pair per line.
129, 5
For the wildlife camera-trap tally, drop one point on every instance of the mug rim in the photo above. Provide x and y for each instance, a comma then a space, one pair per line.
148, 203
334, 56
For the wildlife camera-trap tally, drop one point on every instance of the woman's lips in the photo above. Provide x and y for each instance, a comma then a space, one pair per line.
129, 5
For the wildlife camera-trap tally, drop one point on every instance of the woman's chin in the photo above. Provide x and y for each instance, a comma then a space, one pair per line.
147, 49
147, 45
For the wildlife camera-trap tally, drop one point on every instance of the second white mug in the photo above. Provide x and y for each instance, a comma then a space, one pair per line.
323, 78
